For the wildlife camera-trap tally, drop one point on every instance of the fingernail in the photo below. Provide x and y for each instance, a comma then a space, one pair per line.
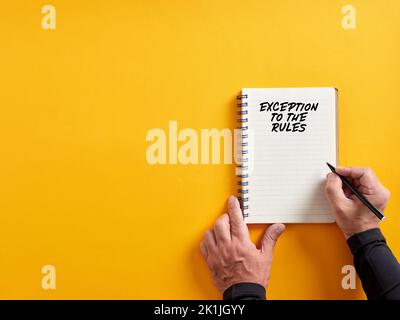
232, 200
281, 228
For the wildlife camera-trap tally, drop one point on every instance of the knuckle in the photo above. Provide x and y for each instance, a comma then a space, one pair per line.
386, 194
208, 237
225, 252
241, 250
370, 172
221, 220
212, 264
203, 245
329, 188
218, 223
339, 208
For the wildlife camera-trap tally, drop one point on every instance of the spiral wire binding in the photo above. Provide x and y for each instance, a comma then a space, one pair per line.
243, 182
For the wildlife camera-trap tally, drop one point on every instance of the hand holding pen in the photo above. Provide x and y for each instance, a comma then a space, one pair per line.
357, 198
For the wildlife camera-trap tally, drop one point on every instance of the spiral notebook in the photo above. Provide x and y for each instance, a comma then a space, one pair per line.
287, 136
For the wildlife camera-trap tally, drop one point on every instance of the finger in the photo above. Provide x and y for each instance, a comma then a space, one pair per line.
203, 250
237, 224
347, 193
334, 191
270, 237
365, 176
366, 190
355, 182
222, 229
209, 240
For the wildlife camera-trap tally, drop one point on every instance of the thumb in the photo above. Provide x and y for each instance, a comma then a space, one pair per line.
271, 235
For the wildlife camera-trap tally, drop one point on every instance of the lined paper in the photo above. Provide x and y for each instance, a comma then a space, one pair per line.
287, 170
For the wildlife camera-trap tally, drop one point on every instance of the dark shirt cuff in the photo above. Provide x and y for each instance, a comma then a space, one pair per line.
361, 239
245, 291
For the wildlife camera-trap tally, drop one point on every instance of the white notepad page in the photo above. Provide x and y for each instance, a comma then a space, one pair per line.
287, 170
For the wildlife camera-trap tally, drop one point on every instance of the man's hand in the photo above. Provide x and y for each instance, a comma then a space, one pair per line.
352, 216
231, 256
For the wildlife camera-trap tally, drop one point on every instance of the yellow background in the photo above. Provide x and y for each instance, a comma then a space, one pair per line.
76, 191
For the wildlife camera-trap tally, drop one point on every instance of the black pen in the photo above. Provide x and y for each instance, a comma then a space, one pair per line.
357, 194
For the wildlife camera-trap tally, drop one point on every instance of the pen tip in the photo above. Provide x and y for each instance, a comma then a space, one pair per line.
331, 167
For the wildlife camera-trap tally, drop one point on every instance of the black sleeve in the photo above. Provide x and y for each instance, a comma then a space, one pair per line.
245, 291
375, 264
